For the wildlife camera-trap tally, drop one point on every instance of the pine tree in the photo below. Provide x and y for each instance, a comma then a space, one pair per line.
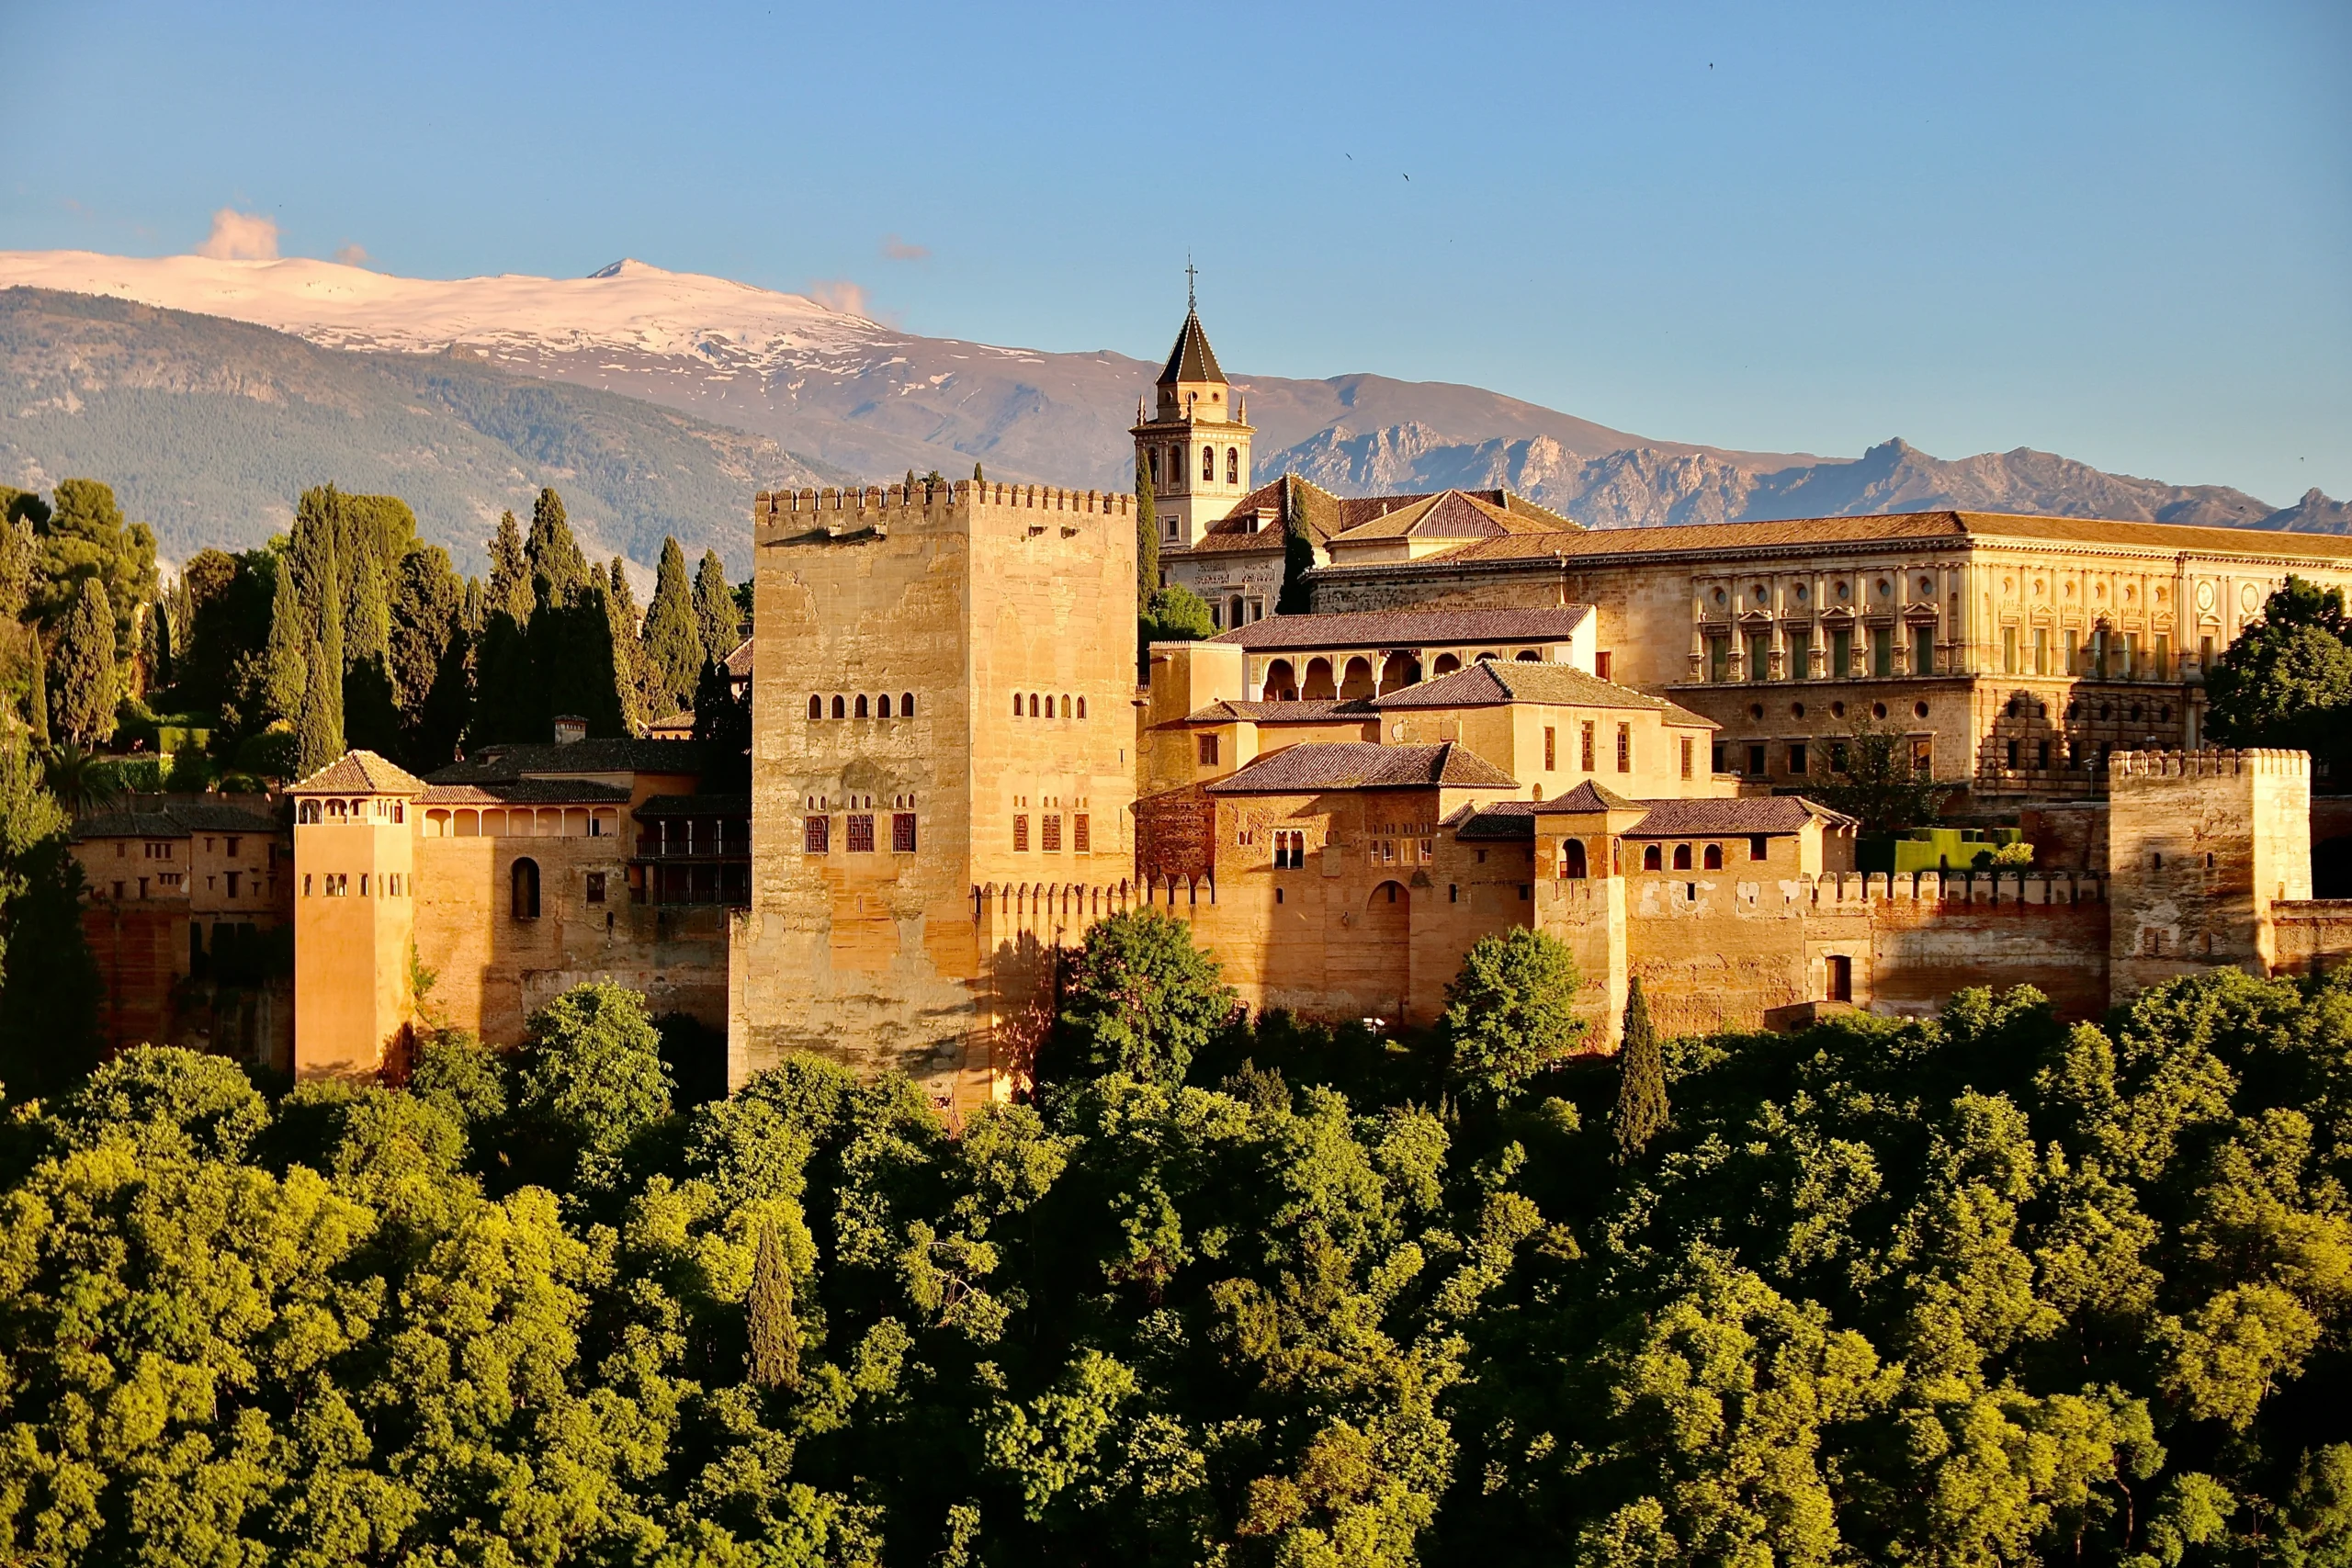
509, 574
558, 572
1641, 1111
674, 650
1147, 537
715, 608
775, 1332
86, 674
286, 663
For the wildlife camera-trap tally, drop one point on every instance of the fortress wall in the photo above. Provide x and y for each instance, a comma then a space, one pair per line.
2200, 845
492, 971
2310, 936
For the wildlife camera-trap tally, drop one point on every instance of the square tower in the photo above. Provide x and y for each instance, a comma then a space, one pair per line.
944, 728
1195, 442
354, 914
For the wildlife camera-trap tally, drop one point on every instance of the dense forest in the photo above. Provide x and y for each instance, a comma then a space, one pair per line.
1980, 1290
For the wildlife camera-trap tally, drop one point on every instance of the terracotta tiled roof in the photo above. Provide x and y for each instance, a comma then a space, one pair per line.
1766, 815
679, 725
1589, 796
1407, 628
523, 791
1191, 359
1449, 514
1363, 764
1889, 528
1491, 683
1283, 713
1494, 819
739, 660
359, 773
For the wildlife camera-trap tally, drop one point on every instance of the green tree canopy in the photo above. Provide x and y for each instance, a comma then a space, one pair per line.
2287, 680
510, 572
558, 572
1641, 1111
86, 539
715, 612
591, 1081
1141, 999
82, 676
674, 649
1510, 1012
1879, 786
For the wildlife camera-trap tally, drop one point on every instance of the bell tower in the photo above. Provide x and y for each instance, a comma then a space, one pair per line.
1194, 440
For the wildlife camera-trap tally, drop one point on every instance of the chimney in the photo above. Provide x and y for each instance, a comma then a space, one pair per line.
569, 727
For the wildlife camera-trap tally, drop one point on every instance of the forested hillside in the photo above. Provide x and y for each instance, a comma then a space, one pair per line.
1979, 1290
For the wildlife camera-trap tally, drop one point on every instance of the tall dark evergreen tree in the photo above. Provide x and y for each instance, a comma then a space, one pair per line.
1147, 537
1641, 1111
428, 598
49, 984
285, 659
509, 573
1298, 551
674, 650
628, 652
319, 737
83, 538
774, 1331
37, 702
85, 676
558, 572
715, 612
159, 654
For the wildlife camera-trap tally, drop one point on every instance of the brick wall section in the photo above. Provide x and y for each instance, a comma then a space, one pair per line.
2200, 845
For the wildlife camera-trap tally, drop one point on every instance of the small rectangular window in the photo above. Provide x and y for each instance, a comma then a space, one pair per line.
2008, 650
1209, 751
1586, 752
306, 887
1081, 834
1289, 850
1759, 657
2074, 646
1051, 833
1881, 650
1800, 655
1841, 654
1923, 758
1600, 662
1923, 648
1796, 757
2042, 651
861, 832
1625, 747
363, 885
817, 836
902, 832
1758, 846
2161, 670
1755, 760
1020, 832
1687, 750
2013, 749
1551, 749
595, 887
1719, 659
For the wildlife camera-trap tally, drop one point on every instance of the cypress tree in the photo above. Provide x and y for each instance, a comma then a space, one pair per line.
1641, 1111
674, 649
629, 654
159, 618
366, 611
558, 572
285, 663
976, 476
1147, 537
86, 680
509, 574
775, 1332
1298, 551
908, 494
715, 608
36, 713
319, 738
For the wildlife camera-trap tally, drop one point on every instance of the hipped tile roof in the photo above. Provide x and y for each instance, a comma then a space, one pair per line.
1407, 628
523, 791
1191, 359
1363, 764
1766, 815
612, 755
1491, 683
173, 821
1316, 712
1449, 514
359, 773
1589, 796
1326, 515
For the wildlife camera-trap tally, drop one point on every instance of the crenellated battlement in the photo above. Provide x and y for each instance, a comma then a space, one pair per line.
885, 499
2210, 764
2003, 888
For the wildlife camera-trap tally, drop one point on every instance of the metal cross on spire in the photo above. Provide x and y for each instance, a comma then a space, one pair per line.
1191, 295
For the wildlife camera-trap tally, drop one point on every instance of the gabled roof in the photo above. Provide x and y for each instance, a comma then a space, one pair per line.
1363, 764
1589, 796
1191, 359
359, 773
611, 755
1764, 815
1449, 514
1407, 628
1319, 712
1326, 515
739, 660
1490, 819
1491, 683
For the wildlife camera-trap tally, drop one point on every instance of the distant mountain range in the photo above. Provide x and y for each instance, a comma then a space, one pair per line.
832, 394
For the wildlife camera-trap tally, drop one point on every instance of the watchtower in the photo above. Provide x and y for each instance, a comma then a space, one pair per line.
354, 914
1195, 442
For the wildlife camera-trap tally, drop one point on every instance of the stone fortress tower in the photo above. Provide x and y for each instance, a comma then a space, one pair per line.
944, 767
1195, 442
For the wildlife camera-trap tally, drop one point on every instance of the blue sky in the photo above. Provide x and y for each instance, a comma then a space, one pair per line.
2123, 233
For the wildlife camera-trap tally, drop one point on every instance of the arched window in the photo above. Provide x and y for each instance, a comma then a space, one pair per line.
906, 704
307, 812
1528, 656
1151, 461
336, 808
816, 706
882, 705
1065, 704
1446, 664
1176, 458
1208, 465
1713, 859
1651, 859
862, 711
1233, 465
1016, 704
1033, 704
525, 878
840, 709
1572, 863
1081, 707
1683, 857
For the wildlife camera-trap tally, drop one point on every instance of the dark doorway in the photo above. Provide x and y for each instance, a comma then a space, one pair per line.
1841, 978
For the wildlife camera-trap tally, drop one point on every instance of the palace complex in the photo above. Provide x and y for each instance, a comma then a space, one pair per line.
1484, 717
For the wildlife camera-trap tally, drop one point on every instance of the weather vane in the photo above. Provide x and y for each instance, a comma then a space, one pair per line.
1191, 295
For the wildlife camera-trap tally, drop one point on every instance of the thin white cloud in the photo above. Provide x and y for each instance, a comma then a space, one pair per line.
353, 254
240, 236
838, 295
896, 249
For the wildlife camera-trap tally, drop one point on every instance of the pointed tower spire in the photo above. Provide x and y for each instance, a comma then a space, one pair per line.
1190, 437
